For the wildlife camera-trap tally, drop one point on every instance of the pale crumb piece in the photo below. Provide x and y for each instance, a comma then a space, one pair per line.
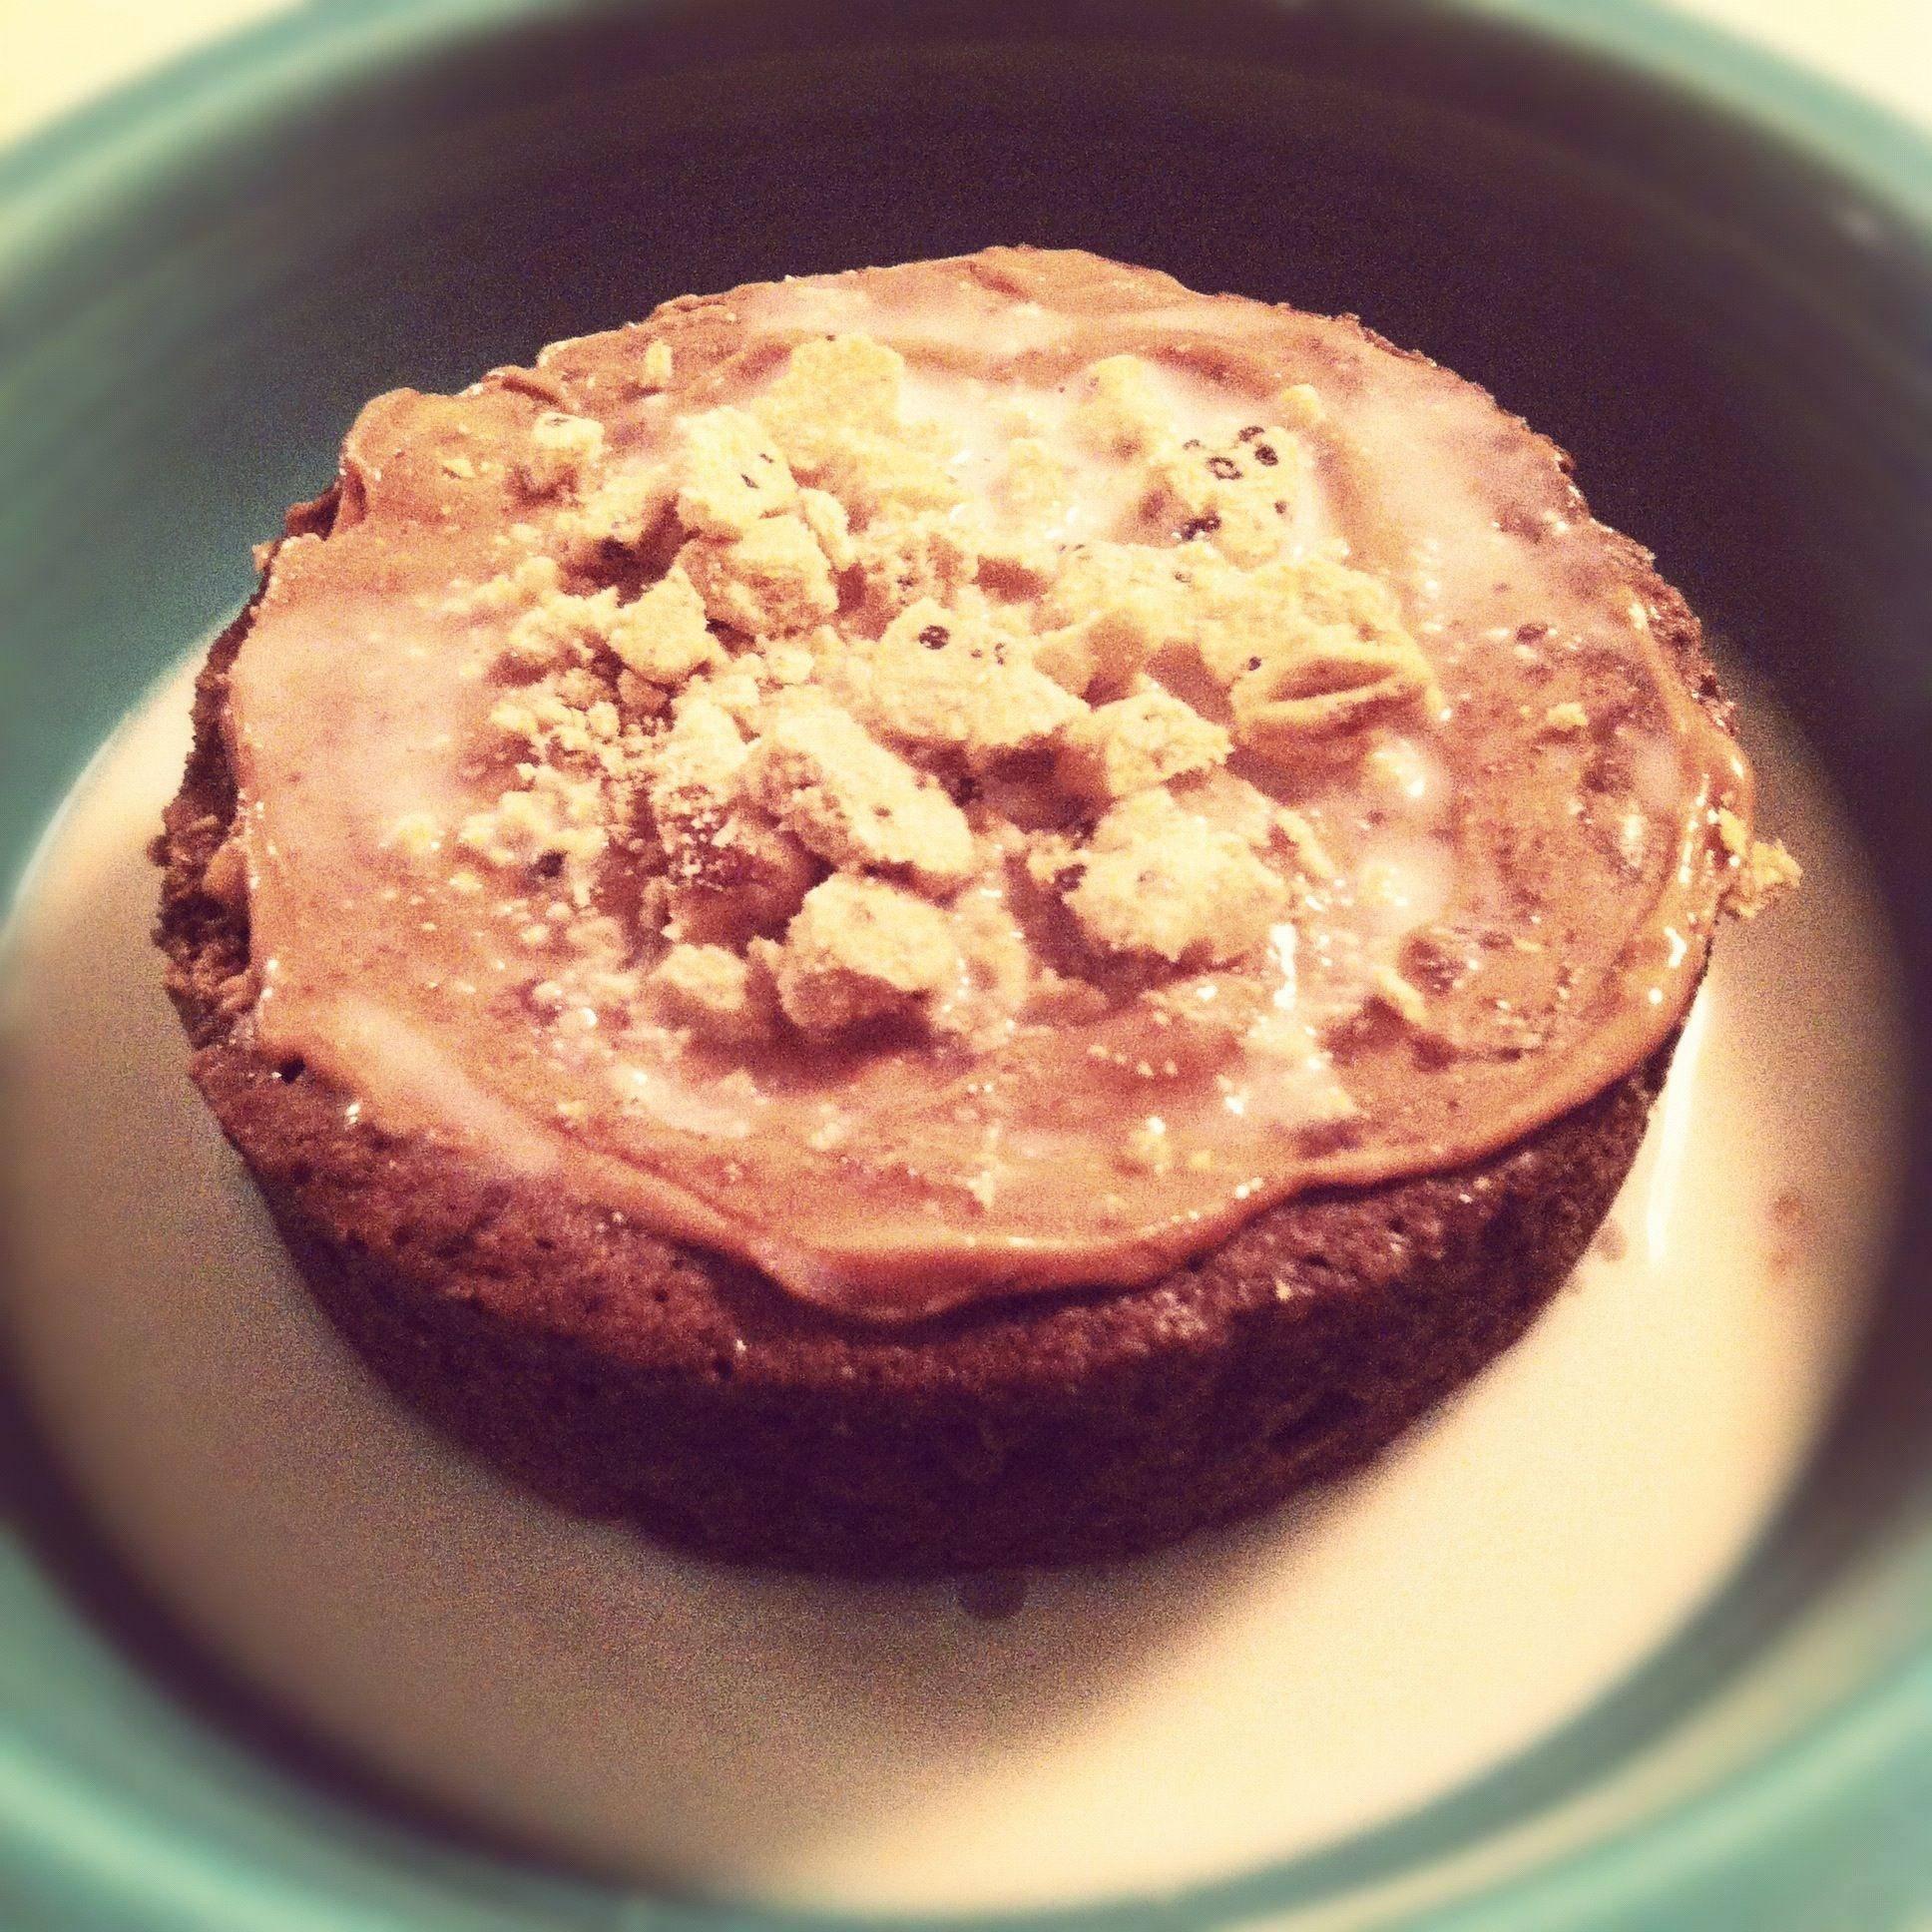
1123, 413
1149, 1147
876, 473
534, 579
718, 993
861, 951
1299, 406
1760, 871
1155, 878
1240, 497
416, 835
1112, 609
1565, 719
557, 718
747, 879
559, 629
656, 368
1001, 973
661, 636
1401, 996
835, 413
562, 448
1036, 486
573, 1113
736, 690
695, 764
728, 475
906, 555
621, 510
558, 815
1134, 743
939, 677
1341, 661
843, 795
729, 871
825, 518
828, 386
1311, 855
771, 580
1281, 606
982, 1188
459, 466
783, 662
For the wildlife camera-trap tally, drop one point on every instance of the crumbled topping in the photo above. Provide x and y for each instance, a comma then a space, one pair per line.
790, 769
1760, 871
909, 556
1327, 691
1124, 414
720, 995
1112, 607
730, 873
1137, 742
950, 680
843, 795
826, 665
1299, 405
858, 951
775, 578
1149, 1147
1401, 996
662, 636
1157, 878
1242, 495
728, 475
562, 449
417, 833
557, 629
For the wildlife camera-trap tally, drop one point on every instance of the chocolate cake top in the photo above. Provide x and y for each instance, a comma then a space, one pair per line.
973, 776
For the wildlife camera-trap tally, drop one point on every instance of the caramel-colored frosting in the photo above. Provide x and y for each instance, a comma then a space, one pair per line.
970, 777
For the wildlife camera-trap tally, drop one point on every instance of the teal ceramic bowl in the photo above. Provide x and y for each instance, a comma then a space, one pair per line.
1707, 277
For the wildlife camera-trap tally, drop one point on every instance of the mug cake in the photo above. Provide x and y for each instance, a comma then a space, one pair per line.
953, 916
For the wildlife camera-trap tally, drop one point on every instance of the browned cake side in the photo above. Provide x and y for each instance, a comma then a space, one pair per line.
618, 1374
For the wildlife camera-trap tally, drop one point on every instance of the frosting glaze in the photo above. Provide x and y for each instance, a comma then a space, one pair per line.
1440, 921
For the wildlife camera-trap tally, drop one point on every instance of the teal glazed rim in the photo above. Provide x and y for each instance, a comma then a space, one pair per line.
120, 1806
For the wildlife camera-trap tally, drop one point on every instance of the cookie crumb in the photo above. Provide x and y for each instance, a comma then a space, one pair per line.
1760, 871
860, 950
564, 448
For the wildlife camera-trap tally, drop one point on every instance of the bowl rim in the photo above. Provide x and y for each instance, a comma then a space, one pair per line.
63, 1822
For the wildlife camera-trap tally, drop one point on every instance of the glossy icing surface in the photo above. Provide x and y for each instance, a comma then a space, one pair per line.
1417, 838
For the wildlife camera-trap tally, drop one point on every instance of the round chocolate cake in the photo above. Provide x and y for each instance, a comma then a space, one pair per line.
956, 916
